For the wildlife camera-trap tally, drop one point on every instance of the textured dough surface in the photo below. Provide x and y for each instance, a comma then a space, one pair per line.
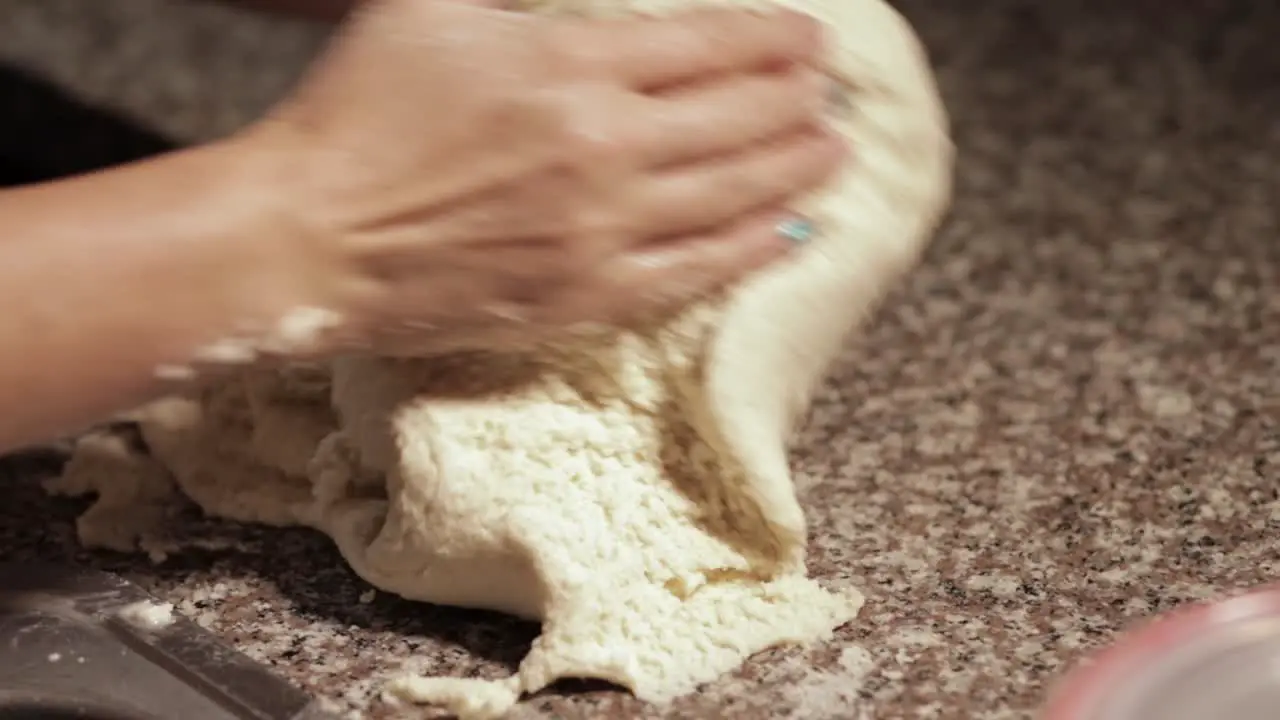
630, 491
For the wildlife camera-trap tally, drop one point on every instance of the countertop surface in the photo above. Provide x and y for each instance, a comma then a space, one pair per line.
1065, 421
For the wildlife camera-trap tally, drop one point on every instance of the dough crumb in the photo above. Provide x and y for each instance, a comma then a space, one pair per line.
467, 698
175, 373
135, 493
229, 351
147, 615
301, 330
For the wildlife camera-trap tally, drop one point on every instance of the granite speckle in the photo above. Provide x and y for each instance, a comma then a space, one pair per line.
1064, 422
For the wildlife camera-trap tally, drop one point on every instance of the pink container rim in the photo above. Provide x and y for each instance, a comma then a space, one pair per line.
1080, 694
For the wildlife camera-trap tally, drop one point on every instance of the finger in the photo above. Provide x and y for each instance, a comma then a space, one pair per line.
711, 194
511, 5
673, 274
649, 53
706, 120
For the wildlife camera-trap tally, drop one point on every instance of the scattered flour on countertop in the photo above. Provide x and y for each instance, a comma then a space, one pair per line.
629, 490
833, 692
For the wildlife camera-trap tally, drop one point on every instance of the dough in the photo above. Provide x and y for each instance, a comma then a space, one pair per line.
630, 491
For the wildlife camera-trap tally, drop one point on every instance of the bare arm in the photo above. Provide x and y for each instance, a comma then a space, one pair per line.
323, 10
107, 277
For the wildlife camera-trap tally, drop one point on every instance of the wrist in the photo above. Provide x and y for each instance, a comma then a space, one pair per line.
118, 283
278, 288
320, 10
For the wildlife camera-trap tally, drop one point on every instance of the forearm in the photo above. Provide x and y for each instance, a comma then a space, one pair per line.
107, 279
323, 10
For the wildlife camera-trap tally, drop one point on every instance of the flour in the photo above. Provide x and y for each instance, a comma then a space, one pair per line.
175, 373
830, 693
629, 490
227, 351
136, 494
147, 615
299, 332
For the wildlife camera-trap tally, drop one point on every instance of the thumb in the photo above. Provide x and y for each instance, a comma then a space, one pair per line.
509, 5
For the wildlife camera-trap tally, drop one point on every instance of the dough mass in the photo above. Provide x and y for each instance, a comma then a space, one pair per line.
629, 491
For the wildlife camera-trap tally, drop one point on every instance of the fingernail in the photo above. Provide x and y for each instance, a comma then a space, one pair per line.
838, 102
816, 91
797, 230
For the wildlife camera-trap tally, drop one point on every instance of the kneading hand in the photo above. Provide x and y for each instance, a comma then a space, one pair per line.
456, 175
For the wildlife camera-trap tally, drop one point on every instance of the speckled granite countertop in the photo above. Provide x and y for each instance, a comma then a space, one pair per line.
1066, 421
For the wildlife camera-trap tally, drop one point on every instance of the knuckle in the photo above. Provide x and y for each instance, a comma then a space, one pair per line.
542, 206
672, 278
742, 188
811, 92
573, 51
668, 296
586, 139
813, 36
580, 252
589, 167
715, 266
569, 127
597, 230
705, 31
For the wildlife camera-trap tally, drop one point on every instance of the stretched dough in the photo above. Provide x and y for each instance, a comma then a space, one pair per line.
632, 491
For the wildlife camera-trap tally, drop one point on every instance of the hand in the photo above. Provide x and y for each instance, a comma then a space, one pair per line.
322, 10
463, 176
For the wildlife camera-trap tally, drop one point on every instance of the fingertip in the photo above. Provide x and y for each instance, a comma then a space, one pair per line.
506, 5
805, 34
836, 142
822, 152
839, 149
